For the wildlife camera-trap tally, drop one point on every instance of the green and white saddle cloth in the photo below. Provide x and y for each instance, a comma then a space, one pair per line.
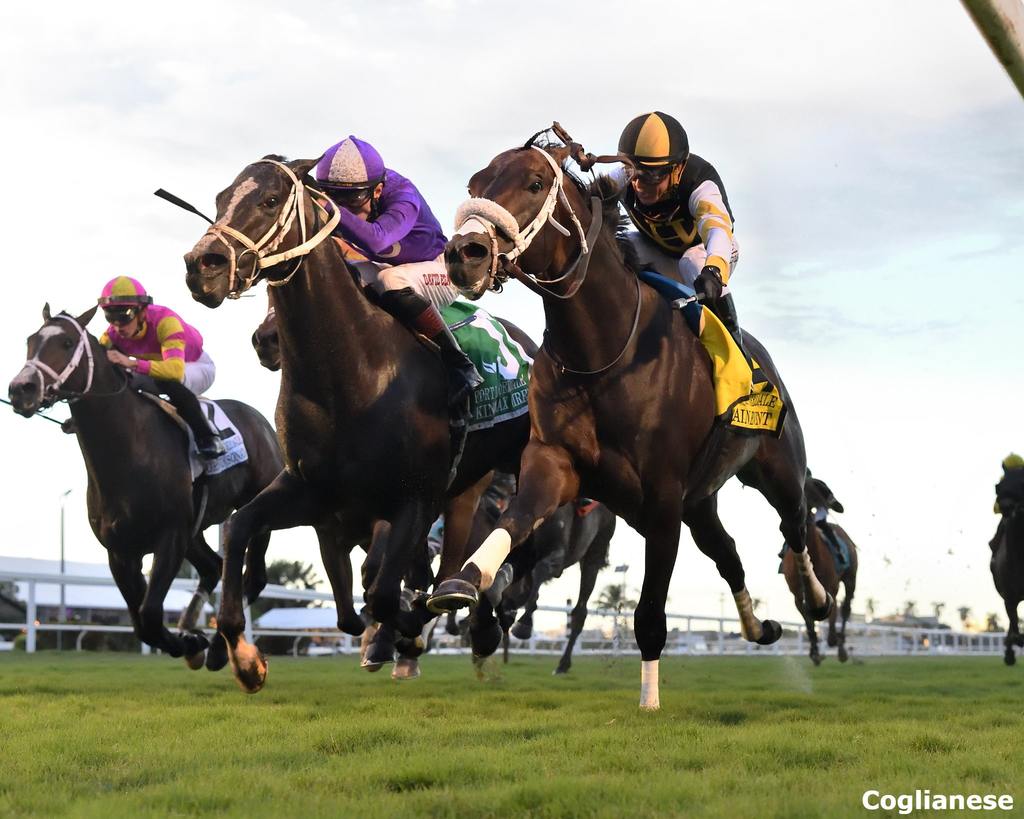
502, 362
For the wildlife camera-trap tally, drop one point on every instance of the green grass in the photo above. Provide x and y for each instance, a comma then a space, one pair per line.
118, 735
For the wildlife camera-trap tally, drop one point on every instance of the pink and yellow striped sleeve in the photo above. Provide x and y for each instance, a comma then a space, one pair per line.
171, 367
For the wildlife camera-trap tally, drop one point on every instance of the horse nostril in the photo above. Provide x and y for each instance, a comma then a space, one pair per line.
208, 260
473, 252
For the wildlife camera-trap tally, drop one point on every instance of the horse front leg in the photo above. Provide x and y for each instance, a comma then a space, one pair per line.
168, 554
1013, 637
336, 554
286, 502
591, 564
547, 480
714, 541
458, 523
662, 544
208, 563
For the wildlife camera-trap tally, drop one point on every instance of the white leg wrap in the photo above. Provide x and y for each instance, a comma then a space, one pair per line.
649, 699
489, 557
750, 626
803, 562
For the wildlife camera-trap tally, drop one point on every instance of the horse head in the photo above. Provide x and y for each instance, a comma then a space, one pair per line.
263, 220
266, 342
820, 495
60, 363
517, 210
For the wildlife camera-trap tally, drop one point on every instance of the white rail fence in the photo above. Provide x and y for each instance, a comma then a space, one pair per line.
606, 632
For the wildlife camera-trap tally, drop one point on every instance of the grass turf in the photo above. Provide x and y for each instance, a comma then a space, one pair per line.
124, 735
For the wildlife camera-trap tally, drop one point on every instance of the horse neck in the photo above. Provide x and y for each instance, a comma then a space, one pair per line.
333, 342
587, 331
106, 420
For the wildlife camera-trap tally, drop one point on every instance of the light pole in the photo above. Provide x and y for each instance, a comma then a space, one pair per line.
62, 614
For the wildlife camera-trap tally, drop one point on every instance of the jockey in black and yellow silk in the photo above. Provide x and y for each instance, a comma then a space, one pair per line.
678, 203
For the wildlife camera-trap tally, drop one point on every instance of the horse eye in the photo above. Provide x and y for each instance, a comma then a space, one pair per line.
67, 343
271, 202
535, 187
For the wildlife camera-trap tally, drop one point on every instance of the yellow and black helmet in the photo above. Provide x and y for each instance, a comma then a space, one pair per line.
655, 139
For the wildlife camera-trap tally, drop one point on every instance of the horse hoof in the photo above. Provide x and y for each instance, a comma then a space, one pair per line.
485, 640
249, 665
1009, 657
558, 672
522, 631
824, 611
405, 669
771, 631
842, 655
832, 641
452, 628
816, 659
196, 661
451, 595
217, 654
377, 656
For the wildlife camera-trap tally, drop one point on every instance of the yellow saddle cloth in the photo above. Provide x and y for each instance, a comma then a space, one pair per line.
744, 397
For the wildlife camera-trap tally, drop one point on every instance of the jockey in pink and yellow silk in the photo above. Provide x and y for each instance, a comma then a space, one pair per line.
154, 341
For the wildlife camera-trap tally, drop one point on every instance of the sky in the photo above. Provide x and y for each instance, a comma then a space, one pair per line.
872, 153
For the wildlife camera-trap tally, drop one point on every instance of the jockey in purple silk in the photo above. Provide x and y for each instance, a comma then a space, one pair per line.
385, 218
149, 340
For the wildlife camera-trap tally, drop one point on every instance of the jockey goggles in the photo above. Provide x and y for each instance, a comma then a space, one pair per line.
348, 197
652, 176
120, 314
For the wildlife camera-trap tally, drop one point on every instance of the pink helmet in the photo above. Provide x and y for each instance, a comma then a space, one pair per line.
124, 291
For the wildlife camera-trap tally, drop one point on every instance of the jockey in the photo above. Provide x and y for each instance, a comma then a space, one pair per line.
678, 204
153, 341
384, 217
1009, 492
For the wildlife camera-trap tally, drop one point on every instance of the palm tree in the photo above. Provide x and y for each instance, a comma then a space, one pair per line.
614, 598
992, 622
937, 608
293, 574
965, 614
910, 609
869, 606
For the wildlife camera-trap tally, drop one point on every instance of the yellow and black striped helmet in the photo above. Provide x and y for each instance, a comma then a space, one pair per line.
655, 139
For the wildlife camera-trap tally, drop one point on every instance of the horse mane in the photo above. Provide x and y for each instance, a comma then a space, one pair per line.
616, 223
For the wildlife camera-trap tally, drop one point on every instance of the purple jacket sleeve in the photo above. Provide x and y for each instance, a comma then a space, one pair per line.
393, 225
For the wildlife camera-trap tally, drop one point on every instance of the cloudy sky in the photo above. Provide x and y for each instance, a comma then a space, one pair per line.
872, 152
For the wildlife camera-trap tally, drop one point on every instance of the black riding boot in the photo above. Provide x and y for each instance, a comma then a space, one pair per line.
420, 315
186, 403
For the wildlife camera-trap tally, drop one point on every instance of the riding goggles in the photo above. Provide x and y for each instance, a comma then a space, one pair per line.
652, 176
120, 315
348, 197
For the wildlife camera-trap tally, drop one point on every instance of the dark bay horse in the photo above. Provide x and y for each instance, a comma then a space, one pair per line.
1007, 563
578, 533
621, 398
140, 494
362, 412
819, 496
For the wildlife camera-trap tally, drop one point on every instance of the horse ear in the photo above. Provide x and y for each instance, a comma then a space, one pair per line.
86, 317
302, 167
46, 312
559, 153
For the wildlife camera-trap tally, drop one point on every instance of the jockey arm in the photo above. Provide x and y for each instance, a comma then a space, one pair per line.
394, 223
171, 365
711, 217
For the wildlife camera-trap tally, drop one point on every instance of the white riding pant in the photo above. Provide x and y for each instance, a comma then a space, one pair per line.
199, 374
685, 269
427, 279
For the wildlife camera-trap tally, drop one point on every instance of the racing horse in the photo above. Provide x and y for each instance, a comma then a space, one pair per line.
362, 413
820, 496
141, 498
1007, 564
582, 532
621, 396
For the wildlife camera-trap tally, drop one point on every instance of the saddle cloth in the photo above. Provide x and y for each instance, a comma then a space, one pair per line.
234, 447
503, 363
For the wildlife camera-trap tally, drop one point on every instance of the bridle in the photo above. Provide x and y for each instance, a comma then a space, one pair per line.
262, 250
53, 390
480, 215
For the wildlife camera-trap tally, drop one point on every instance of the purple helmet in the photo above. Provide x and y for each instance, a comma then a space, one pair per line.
351, 163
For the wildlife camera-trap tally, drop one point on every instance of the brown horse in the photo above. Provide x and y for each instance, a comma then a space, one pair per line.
621, 398
580, 532
1007, 563
362, 412
141, 498
819, 496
